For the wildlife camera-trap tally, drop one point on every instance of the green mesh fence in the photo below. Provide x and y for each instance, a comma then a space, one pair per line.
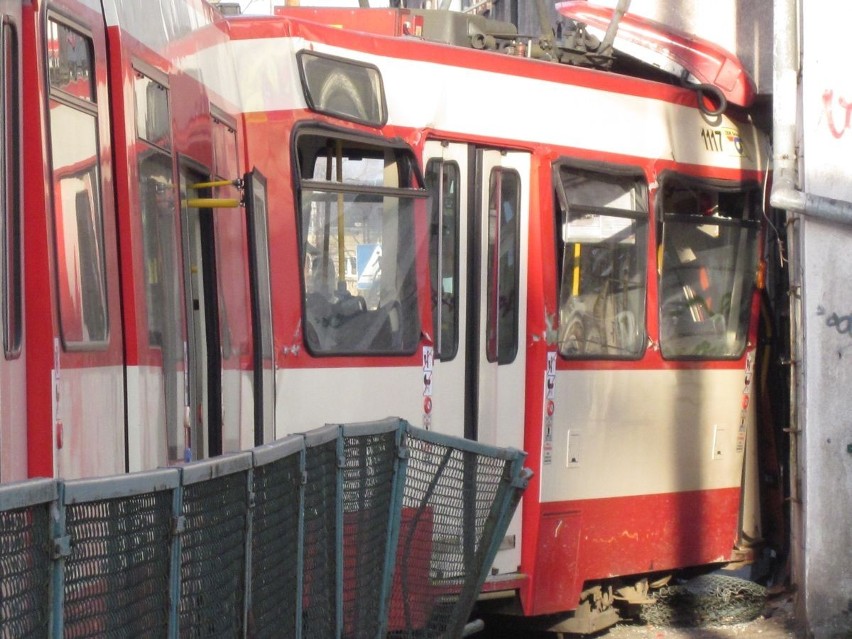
278, 478
25, 559
358, 530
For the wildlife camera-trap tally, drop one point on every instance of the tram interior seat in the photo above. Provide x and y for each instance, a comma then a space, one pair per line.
347, 325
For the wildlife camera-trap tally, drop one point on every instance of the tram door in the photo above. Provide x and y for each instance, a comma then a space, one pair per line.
203, 391
263, 347
478, 269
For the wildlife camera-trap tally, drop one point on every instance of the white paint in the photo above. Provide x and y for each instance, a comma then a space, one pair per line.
146, 428
718, 450
91, 410
155, 23
335, 395
268, 78
13, 418
644, 432
426, 95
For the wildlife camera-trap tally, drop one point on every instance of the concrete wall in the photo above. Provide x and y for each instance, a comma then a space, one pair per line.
826, 261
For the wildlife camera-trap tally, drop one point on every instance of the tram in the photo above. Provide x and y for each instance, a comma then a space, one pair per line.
130, 336
221, 231
532, 254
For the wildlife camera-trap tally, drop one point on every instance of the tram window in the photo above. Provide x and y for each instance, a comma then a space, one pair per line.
233, 331
442, 180
77, 207
357, 201
260, 263
153, 118
708, 267
10, 197
157, 207
501, 336
342, 88
70, 61
603, 220
79, 225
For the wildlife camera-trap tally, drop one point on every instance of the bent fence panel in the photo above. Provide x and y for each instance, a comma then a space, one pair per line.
458, 499
370, 477
353, 530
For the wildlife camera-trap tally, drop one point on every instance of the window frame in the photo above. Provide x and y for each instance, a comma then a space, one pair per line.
494, 351
89, 108
344, 63
437, 211
747, 188
413, 192
10, 197
642, 217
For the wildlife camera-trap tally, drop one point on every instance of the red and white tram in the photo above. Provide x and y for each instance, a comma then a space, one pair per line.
136, 345
581, 285
530, 254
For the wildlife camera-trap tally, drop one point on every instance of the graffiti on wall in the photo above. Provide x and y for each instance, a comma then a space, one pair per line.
841, 323
837, 126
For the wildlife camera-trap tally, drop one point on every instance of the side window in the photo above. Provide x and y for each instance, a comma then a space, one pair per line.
603, 222
153, 117
504, 201
158, 211
708, 266
157, 206
259, 251
357, 200
160, 249
232, 281
442, 180
77, 209
10, 197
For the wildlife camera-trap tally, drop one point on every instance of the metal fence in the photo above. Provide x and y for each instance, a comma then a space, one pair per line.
356, 530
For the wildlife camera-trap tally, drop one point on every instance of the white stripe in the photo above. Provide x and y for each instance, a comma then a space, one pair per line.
484, 103
644, 432
155, 23
309, 398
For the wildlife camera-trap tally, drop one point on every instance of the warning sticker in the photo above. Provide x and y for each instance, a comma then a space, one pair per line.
428, 361
549, 408
749, 374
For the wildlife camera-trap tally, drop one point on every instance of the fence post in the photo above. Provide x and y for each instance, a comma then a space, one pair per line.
178, 525
60, 549
394, 525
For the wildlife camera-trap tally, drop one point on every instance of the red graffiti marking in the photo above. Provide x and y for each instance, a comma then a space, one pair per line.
828, 98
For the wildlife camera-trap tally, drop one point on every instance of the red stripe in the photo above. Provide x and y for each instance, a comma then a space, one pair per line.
596, 539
